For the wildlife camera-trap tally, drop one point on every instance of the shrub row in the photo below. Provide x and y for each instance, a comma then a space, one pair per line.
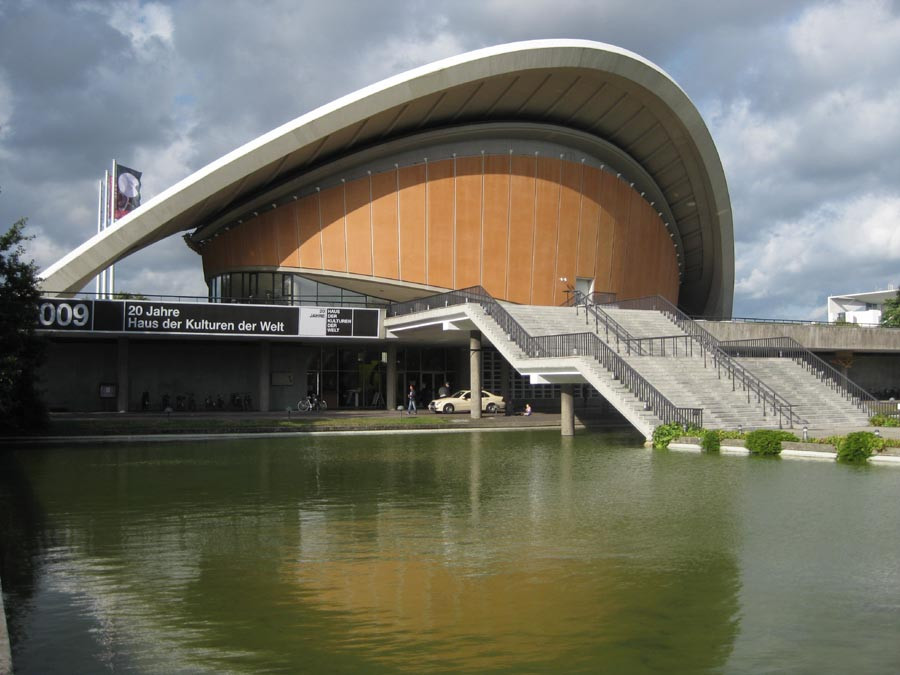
884, 421
857, 446
768, 441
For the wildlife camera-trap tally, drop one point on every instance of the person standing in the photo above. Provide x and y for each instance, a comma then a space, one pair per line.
444, 390
411, 397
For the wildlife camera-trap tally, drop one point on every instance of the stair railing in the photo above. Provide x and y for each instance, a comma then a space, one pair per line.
567, 345
613, 330
772, 402
788, 347
589, 344
473, 294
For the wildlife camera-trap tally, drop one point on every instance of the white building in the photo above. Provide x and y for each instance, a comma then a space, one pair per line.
864, 308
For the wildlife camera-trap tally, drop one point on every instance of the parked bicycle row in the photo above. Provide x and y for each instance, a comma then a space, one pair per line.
236, 401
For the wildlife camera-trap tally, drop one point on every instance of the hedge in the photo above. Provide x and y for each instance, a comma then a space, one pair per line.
768, 441
858, 446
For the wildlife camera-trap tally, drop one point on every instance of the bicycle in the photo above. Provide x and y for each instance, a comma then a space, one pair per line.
311, 403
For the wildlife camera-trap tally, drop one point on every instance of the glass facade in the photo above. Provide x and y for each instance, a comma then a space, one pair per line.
283, 288
356, 377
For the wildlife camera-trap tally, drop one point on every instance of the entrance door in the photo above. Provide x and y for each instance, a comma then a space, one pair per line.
584, 285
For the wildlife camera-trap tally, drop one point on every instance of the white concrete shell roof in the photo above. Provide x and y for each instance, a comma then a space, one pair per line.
590, 88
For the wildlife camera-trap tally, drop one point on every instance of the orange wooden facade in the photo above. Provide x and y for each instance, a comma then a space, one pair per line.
512, 224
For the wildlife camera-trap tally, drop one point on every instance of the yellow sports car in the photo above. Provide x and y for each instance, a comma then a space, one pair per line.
461, 401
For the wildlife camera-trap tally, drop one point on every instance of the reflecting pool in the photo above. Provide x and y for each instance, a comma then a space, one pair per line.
430, 553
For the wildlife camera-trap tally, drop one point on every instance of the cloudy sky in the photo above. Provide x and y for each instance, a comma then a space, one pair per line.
802, 99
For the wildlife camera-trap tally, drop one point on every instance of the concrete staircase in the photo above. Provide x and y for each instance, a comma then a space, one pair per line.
683, 380
538, 320
686, 379
562, 320
643, 322
819, 404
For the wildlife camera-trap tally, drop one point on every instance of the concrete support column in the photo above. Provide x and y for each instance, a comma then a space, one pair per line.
567, 409
505, 388
390, 395
122, 374
475, 372
265, 361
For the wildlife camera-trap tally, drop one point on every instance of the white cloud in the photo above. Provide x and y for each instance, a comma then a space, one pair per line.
401, 53
846, 40
142, 22
841, 247
6, 106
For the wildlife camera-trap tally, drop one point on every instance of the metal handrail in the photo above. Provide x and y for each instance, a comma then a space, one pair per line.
565, 345
619, 333
797, 322
766, 395
656, 345
475, 294
788, 347
589, 344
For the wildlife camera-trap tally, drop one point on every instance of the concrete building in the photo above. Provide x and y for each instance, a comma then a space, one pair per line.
862, 308
529, 169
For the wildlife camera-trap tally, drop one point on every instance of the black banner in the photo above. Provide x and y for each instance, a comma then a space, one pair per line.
180, 318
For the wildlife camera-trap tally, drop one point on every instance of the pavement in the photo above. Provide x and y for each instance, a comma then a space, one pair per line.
590, 418
233, 424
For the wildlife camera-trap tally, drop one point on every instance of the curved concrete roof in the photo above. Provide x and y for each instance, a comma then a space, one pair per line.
588, 87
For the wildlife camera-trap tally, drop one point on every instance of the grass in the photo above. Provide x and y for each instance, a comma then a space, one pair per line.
131, 426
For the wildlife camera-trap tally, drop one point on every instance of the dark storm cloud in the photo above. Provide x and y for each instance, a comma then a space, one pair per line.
799, 97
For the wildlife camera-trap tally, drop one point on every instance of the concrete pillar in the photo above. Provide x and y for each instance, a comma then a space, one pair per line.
475, 372
567, 409
122, 374
390, 395
505, 388
265, 361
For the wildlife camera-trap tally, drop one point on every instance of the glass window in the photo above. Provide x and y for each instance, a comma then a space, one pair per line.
305, 290
287, 288
329, 358
251, 287
265, 287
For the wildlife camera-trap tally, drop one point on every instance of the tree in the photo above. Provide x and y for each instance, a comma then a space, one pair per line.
21, 349
890, 313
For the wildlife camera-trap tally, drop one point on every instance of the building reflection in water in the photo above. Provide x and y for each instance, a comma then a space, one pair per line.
478, 552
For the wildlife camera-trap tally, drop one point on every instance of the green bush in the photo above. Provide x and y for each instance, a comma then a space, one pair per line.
768, 441
666, 433
710, 440
884, 421
859, 446
731, 434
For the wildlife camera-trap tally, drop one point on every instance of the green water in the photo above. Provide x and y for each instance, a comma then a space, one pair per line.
484, 553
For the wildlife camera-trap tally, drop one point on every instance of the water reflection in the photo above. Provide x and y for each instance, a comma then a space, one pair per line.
480, 553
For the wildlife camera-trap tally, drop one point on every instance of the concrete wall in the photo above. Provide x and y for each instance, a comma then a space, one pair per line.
879, 374
73, 372
816, 337
75, 369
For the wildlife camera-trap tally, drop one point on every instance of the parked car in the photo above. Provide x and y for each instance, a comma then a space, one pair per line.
461, 401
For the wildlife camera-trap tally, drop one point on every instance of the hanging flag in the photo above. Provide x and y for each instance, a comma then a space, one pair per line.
128, 190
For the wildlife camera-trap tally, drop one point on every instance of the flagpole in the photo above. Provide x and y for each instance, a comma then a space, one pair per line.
103, 274
99, 230
112, 267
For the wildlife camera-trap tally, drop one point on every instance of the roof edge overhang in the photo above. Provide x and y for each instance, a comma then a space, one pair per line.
223, 178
